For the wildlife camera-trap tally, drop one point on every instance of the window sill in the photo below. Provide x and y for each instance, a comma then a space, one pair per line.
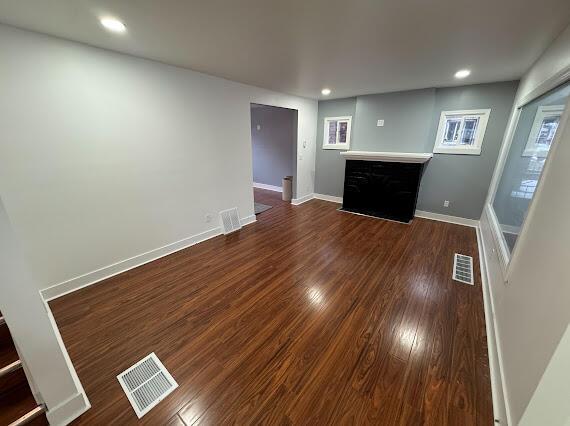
457, 151
337, 147
534, 153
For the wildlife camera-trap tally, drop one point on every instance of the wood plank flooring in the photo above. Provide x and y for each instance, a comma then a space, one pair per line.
309, 316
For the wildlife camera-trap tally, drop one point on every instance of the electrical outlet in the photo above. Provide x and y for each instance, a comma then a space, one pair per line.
208, 218
446, 203
380, 123
258, 127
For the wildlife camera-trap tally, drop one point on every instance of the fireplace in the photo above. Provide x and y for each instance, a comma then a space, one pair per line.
383, 184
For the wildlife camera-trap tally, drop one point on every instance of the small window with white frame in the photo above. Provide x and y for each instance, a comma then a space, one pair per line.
337, 132
543, 130
461, 132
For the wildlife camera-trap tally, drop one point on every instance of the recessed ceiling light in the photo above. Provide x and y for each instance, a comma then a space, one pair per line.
462, 73
113, 24
326, 92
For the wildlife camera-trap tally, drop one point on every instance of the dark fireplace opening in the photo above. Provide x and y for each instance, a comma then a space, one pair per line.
387, 190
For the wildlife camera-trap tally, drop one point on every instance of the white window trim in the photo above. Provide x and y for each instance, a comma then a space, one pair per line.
542, 112
475, 149
340, 146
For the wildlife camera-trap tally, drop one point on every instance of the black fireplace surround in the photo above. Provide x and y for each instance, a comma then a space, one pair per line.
388, 190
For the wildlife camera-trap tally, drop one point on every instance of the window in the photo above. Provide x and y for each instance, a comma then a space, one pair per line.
533, 134
543, 130
337, 133
461, 132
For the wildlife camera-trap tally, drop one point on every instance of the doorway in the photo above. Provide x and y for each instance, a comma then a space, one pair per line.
274, 152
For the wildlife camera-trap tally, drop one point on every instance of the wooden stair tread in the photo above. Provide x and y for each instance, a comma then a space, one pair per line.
16, 403
34, 417
38, 421
11, 381
8, 352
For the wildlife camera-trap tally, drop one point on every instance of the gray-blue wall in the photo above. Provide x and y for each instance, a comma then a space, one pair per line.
411, 121
329, 165
273, 144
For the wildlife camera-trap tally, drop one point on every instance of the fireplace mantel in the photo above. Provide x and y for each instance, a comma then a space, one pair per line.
393, 157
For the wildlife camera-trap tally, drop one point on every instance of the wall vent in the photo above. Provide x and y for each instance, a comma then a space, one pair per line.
230, 220
146, 384
463, 268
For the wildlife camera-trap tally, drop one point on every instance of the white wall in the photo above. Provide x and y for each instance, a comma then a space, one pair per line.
549, 403
532, 310
552, 63
105, 156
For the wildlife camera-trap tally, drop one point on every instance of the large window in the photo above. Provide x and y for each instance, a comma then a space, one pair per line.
461, 132
532, 139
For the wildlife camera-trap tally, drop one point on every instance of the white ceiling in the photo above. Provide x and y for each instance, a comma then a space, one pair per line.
300, 46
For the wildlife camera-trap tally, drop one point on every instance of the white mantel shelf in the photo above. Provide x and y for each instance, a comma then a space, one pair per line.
395, 157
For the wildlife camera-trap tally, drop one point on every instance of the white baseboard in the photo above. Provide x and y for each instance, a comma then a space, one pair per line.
298, 201
445, 218
109, 271
498, 391
330, 198
419, 213
268, 187
247, 220
68, 410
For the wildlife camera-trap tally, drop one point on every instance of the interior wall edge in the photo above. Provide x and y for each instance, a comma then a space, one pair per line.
77, 404
301, 200
73, 407
39, 345
69, 410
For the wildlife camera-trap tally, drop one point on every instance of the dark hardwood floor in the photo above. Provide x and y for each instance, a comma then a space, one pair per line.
309, 316
271, 198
